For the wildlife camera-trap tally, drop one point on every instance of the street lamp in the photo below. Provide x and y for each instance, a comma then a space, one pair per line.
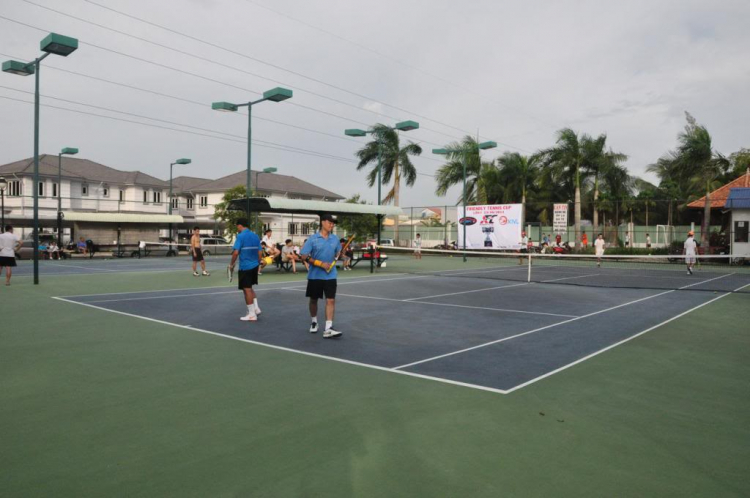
3, 185
464, 152
70, 151
356, 132
274, 95
179, 161
52, 44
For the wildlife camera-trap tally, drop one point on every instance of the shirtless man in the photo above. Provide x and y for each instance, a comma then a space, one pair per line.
197, 252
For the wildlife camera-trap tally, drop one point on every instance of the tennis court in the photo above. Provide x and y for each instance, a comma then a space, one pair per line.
131, 376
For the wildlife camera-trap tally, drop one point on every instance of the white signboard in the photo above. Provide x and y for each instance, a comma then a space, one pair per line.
560, 219
490, 226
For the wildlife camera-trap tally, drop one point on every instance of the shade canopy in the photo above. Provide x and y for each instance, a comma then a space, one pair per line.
299, 206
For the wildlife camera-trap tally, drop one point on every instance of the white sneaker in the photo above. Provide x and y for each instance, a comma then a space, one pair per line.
206, 274
313, 327
331, 334
249, 318
196, 274
257, 311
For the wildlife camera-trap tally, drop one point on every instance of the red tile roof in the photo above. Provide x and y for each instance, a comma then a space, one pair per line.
720, 195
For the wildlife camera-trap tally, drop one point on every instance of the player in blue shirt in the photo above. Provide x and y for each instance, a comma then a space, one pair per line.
321, 251
247, 248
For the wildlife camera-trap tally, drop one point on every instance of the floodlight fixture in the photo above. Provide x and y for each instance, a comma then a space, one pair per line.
407, 125
19, 68
224, 107
59, 45
277, 94
488, 145
270, 170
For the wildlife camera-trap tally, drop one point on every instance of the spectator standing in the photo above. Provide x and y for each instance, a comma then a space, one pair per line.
418, 247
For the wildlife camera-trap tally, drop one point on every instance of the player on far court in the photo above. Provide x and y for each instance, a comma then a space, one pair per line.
599, 249
247, 248
10, 243
418, 247
321, 251
197, 252
689, 251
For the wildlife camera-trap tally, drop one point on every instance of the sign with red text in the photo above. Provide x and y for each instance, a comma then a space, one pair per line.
496, 226
560, 219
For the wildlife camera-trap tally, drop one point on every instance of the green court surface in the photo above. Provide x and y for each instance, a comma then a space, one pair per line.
100, 404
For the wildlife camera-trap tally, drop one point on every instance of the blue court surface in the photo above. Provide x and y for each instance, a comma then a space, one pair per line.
498, 335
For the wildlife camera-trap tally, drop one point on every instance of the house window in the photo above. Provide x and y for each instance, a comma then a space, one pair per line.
157, 196
293, 227
175, 202
741, 231
203, 201
84, 189
122, 195
55, 190
105, 191
145, 196
41, 189
190, 203
305, 229
14, 188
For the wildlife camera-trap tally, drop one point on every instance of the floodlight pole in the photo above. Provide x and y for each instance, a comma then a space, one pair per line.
70, 151
52, 44
171, 165
3, 183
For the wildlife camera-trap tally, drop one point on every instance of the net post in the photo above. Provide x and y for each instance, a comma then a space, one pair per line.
372, 259
528, 275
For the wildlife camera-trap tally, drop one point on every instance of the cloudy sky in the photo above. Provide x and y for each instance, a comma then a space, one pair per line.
137, 93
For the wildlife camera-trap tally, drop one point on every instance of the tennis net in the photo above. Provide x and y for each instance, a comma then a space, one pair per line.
719, 273
161, 249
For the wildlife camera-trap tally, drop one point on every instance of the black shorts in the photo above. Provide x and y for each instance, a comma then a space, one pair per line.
7, 261
247, 278
197, 255
317, 288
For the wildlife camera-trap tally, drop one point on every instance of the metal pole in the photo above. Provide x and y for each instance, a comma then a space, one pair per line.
36, 173
464, 199
249, 156
170, 207
380, 218
59, 200
2, 210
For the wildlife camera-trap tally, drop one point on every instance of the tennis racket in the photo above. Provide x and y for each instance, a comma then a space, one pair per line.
230, 273
343, 250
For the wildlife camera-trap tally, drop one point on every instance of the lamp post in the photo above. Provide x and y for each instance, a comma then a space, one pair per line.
3, 185
179, 161
465, 153
356, 132
274, 95
52, 44
67, 151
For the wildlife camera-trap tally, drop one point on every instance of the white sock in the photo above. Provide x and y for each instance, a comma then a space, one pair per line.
255, 303
314, 319
251, 310
329, 324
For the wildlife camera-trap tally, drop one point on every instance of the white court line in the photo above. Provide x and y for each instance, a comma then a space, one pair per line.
450, 305
426, 360
569, 278
465, 292
289, 350
536, 379
234, 290
76, 266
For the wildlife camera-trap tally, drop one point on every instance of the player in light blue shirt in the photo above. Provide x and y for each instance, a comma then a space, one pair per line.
247, 249
321, 251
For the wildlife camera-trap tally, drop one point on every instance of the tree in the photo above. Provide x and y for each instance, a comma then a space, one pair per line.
518, 174
567, 159
740, 162
597, 161
481, 176
696, 155
646, 196
395, 162
360, 225
230, 217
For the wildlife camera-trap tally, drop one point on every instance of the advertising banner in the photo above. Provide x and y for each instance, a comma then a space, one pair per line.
560, 219
495, 226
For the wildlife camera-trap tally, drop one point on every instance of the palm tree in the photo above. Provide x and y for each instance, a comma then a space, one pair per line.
695, 154
394, 162
567, 159
597, 161
518, 174
619, 186
480, 177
